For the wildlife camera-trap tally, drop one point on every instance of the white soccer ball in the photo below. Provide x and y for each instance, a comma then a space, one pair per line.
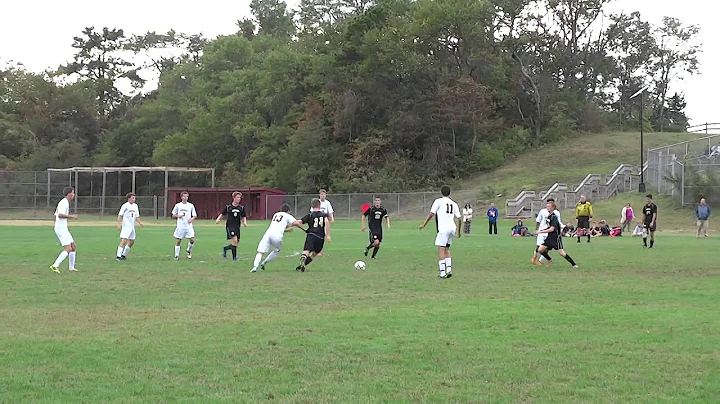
360, 265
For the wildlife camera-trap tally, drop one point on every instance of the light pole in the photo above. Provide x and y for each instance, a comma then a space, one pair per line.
641, 93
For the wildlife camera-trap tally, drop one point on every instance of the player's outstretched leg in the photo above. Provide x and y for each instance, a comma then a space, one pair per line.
269, 258
256, 263
568, 258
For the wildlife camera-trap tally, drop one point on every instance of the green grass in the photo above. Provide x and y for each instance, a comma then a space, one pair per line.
570, 161
629, 325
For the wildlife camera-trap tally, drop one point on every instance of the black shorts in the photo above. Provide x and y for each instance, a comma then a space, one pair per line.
651, 228
232, 232
313, 243
583, 222
375, 235
553, 243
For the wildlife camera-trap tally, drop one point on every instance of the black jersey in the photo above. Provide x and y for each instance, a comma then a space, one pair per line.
648, 211
233, 215
375, 217
316, 223
553, 221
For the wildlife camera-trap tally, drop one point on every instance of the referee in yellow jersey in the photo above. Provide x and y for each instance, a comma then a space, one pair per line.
583, 214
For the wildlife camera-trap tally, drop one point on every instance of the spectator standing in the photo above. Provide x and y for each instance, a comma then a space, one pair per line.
467, 214
492, 214
627, 216
702, 212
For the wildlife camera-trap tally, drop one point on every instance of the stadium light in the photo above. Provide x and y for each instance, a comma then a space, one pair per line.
641, 93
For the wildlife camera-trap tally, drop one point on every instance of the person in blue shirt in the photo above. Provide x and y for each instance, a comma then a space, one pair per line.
492, 214
702, 212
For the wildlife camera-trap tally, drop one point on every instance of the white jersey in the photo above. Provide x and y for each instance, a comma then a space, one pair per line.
325, 207
185, 211
279, 223
129, 212
446, 213
543, 218
63, 208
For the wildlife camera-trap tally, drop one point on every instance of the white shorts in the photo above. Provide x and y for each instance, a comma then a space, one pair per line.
269, 242
127, 233
541, 239
64, 236
184, 232
444, 238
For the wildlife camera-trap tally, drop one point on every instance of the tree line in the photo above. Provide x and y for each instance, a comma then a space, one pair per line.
354, 95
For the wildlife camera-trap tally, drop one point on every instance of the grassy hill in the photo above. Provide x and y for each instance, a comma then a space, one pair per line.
568, 161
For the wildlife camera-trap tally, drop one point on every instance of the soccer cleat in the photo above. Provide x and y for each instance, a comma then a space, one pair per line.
575, 266
253, 270
177, 258
448, 275
72, 269
189, 255
234, 259
300, 268
118, 259
366, 252
578, 240
225, 252
55, 269
123, 258
262, 267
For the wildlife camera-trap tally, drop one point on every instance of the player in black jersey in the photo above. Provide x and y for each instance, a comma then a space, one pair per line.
375, 215
317, 232
650, 213
554, 238
234, 214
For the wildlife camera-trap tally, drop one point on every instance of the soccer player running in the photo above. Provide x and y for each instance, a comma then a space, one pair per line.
317, 232
281, 223
445, 211
234, 214
62, 214
541, 223
325, 207
128, 215
553, 241
375, 215
185, 214
650, 213
583, 214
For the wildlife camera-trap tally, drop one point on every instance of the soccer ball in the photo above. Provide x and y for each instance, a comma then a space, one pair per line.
360, 265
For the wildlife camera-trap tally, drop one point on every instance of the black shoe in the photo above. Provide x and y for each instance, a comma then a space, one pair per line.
123, 258
366, 252
578, 240
118, 259
448, 275
262, 267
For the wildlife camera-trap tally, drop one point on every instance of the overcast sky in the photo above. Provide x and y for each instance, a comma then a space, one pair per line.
39, 33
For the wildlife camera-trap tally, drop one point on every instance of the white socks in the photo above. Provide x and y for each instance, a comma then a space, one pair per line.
448, 265
126, 251
119, 252
177, 251
190, 247
542, 259
60, 258
72, 260
258, 257
441, 264
270, 257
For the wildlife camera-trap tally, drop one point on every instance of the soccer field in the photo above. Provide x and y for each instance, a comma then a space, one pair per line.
628, 325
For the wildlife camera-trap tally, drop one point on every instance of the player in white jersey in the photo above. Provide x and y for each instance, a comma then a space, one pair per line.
127, 216
446, 212
185, 214
541, 223
271, 242
62, 214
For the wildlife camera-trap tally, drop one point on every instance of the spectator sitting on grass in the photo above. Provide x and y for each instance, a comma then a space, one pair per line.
639, 230
519, 230
616, 231
595, 230
569, 230
604, 228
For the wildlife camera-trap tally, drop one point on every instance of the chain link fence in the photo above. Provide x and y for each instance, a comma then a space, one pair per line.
412, 205
686, 171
